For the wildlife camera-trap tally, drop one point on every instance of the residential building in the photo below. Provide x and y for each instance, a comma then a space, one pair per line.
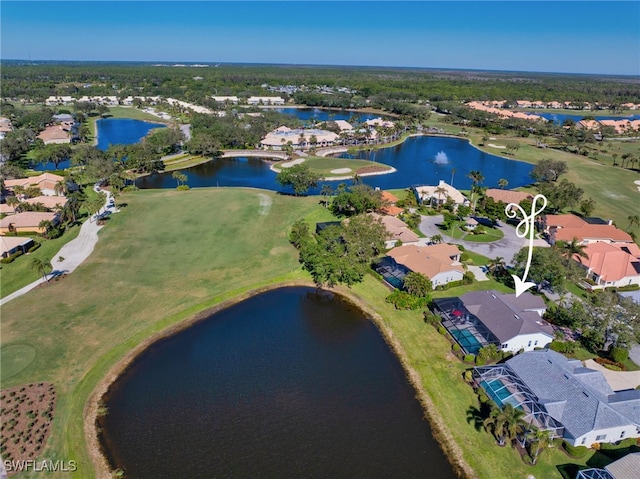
12, 244
300, 138
46, 182
440, 262
479, 318
29, 221
345, 126
627, 467
5, 126
56, 134
389, 204
611, 265
265, 100
439, 194
398, 230
584, 230
379, 122
225, 99
507, 196
59, 100
564, 397
49, 202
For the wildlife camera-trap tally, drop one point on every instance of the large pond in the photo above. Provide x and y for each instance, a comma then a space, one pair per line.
559, 118
324, 114
294, 382
122, 131
419, 161
112, 131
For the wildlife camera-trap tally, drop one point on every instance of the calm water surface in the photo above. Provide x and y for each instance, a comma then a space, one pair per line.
112, 131
289, 383
419, 161
559, 119
324, 114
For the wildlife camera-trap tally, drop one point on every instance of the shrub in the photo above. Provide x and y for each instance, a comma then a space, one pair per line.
575, 451
464, 257
480, 361
625, 443
404, 300
442, 330
35, 246
431, 318
468, 277
182, 188
619, 354
557, 346
456, 348
469, 358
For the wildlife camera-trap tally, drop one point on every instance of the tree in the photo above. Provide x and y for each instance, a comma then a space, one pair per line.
45, 225
300, 233
587, 206
437, 239
574, 248
42, 266
299, 177
497, 266
181, 178
540, 440
633, 219
561, 195
356, 200
548, 170
502, 183
417, 284
326, 191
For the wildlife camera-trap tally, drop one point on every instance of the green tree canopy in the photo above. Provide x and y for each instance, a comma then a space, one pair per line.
299, 177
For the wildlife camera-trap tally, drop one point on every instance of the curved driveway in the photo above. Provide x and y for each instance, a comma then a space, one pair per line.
506, 247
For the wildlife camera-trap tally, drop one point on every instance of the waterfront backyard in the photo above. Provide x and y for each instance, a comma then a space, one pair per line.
170, 255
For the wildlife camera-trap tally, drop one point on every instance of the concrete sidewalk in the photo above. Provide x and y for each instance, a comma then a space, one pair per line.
74, 252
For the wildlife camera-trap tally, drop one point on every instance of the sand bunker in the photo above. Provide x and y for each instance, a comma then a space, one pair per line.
291, 163
339, 171
496, 146
637, 182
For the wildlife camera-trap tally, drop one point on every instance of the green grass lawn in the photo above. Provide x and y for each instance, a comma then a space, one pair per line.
490, 234
324, 165
19, 273
169, 255
477, 259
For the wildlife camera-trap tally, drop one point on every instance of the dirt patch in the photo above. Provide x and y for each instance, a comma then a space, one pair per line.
371, 169
26, 414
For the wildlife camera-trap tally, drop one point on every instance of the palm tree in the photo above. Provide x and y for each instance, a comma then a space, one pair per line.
440, 191
60, 188
326, 191
437, 239
41, 266
476, 176
574, 248
540, 440
496, 423
497, 266
502, 183
633, 219
46, 226
514, 421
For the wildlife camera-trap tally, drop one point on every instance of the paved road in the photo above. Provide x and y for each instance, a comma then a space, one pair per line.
506, 247
74, 252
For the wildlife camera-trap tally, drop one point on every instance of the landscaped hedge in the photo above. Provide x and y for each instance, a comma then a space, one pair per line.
607, 362
35, 246
629, 287
11, 257
575, 451
625, 443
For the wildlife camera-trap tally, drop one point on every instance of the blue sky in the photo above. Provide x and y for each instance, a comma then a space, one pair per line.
550, 36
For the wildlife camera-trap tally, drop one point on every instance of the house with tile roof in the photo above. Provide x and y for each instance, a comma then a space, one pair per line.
584, 230
479, 318
611, 265
439, 194
12, 244
45, 181
507, 196
265, 100
398, 230
440, 262
389, 204
562, 396
300, 138
28, 221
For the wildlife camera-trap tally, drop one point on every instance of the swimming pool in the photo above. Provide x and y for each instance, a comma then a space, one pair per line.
467, 340
496, 390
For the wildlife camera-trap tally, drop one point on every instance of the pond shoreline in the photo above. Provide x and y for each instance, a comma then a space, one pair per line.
93, 407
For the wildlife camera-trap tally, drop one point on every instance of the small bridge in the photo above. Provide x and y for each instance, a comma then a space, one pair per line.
279, 155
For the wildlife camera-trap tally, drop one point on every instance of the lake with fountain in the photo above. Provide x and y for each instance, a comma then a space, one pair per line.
294, 382
419, 160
